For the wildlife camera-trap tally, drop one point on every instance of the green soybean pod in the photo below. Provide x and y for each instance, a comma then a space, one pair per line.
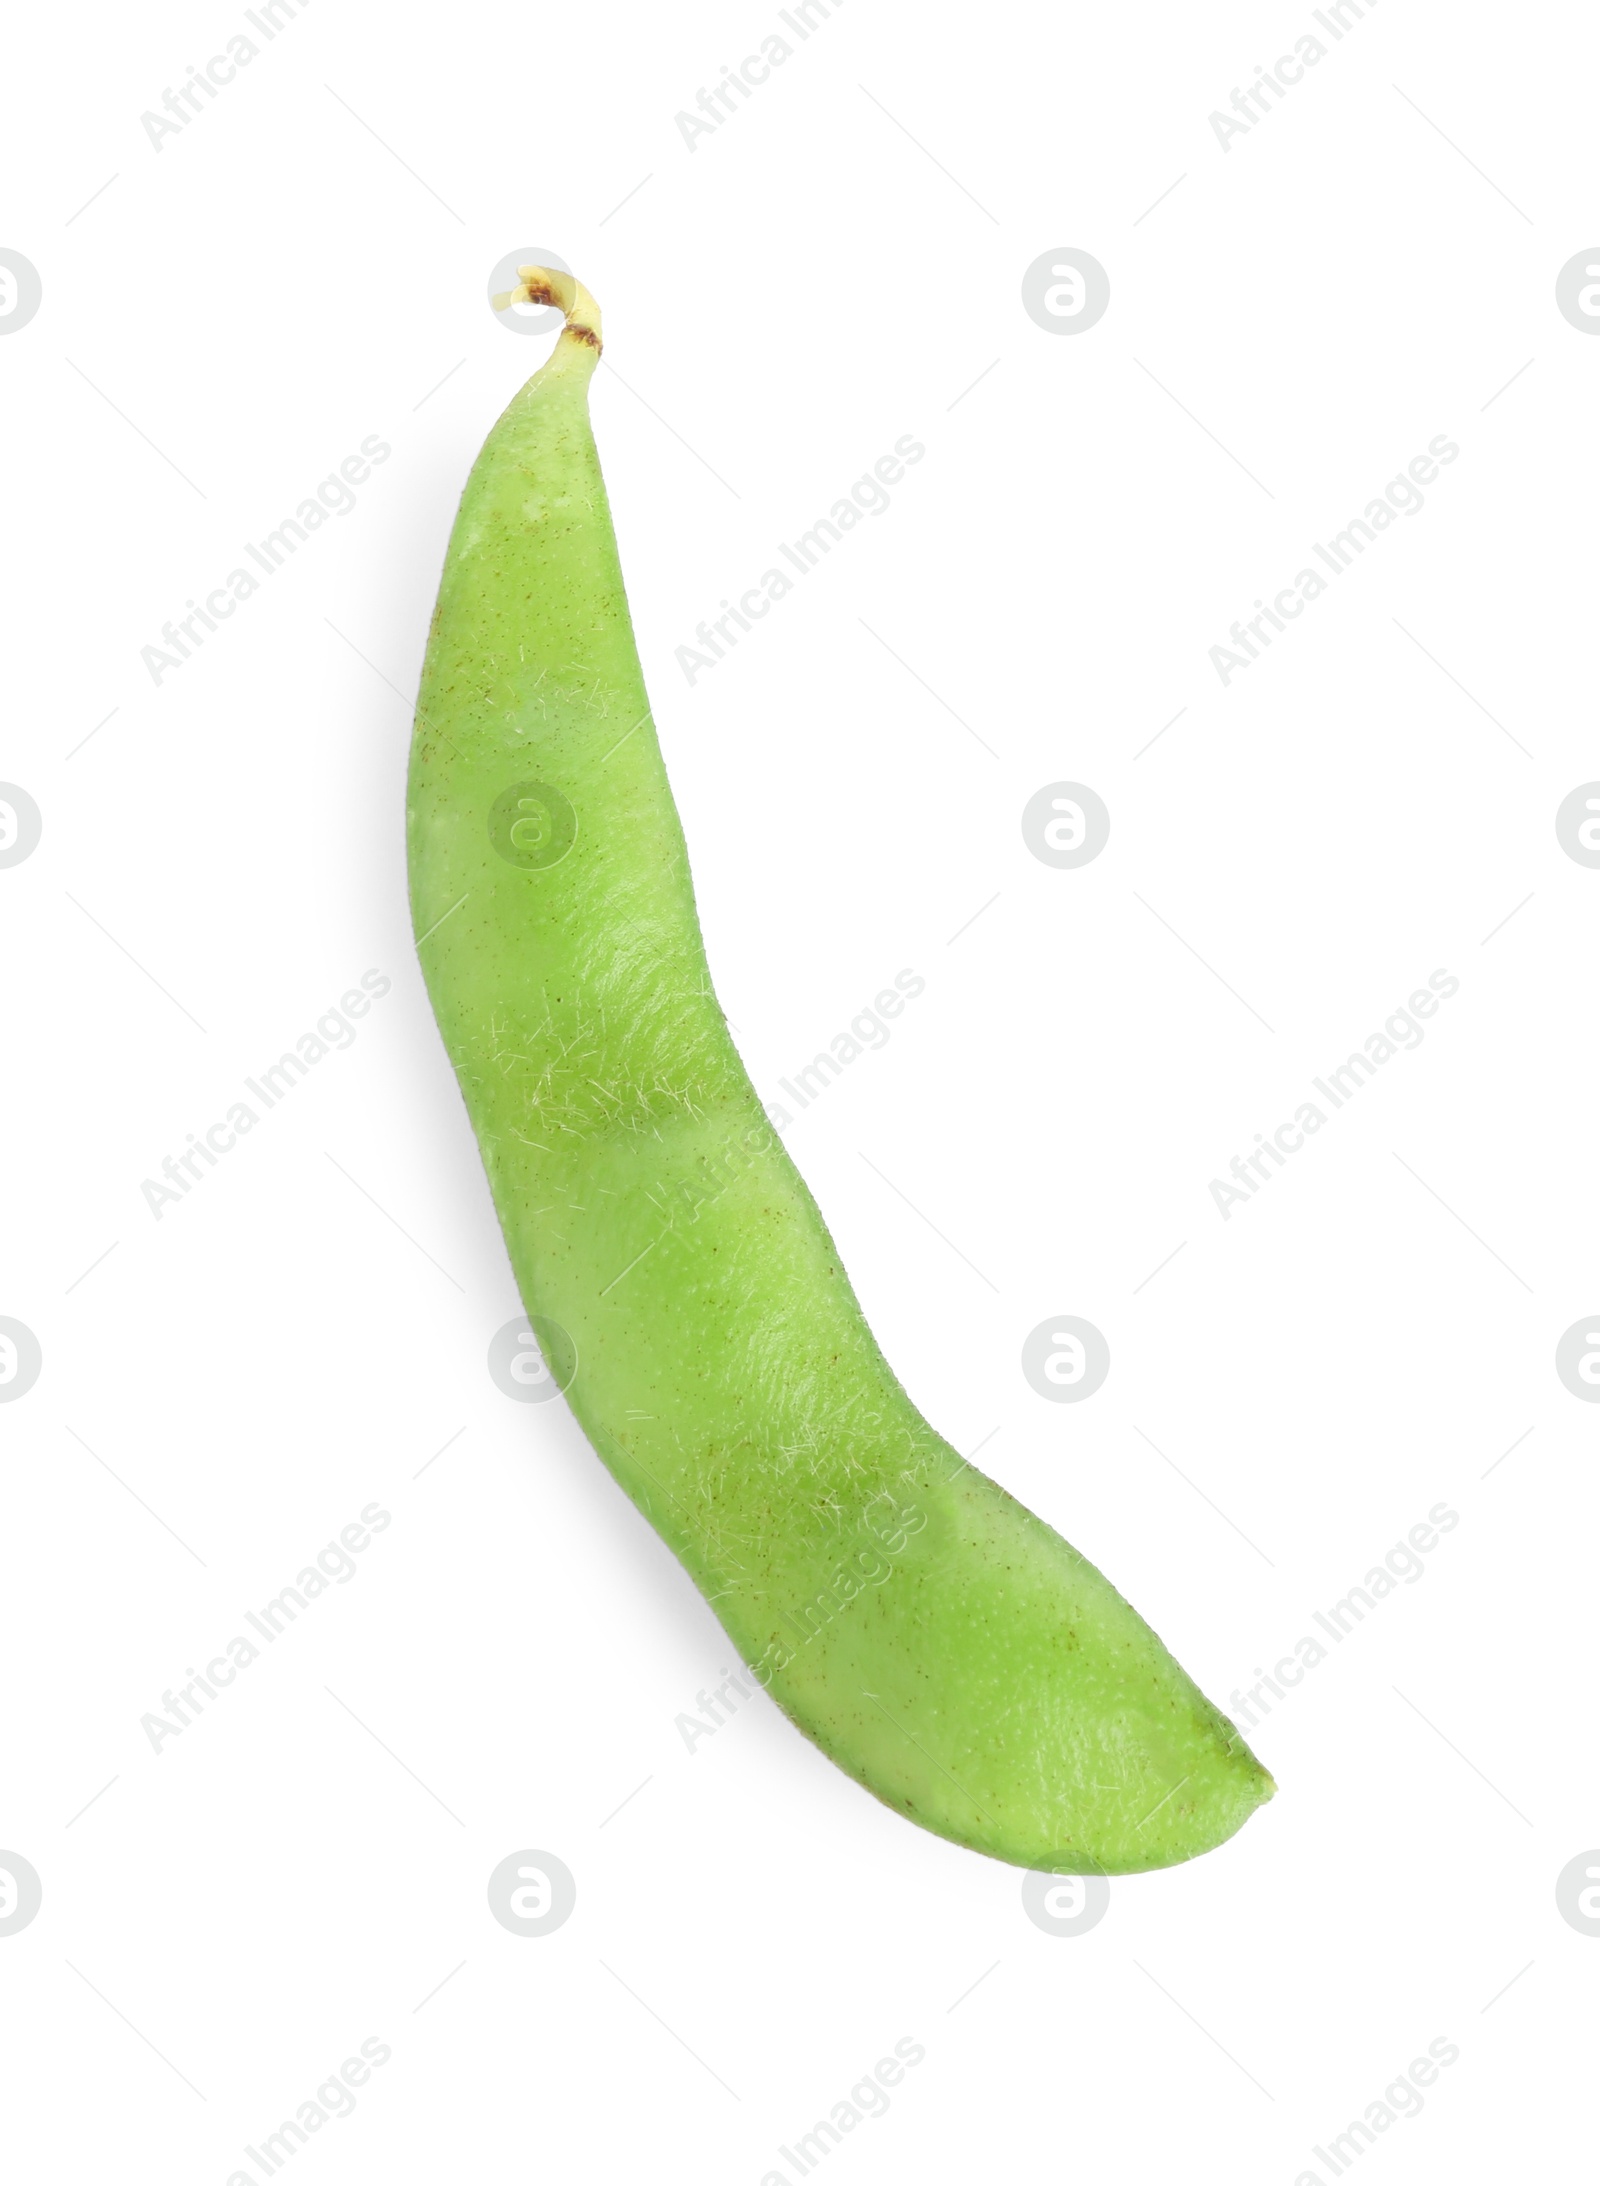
941, 1643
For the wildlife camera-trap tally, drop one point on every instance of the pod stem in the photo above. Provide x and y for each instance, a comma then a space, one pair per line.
545, 285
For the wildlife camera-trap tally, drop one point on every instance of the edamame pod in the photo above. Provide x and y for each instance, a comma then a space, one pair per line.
941, 1643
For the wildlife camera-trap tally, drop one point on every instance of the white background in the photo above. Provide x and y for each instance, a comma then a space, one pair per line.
304, 265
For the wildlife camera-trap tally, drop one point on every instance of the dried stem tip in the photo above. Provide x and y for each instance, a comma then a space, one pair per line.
544, 285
